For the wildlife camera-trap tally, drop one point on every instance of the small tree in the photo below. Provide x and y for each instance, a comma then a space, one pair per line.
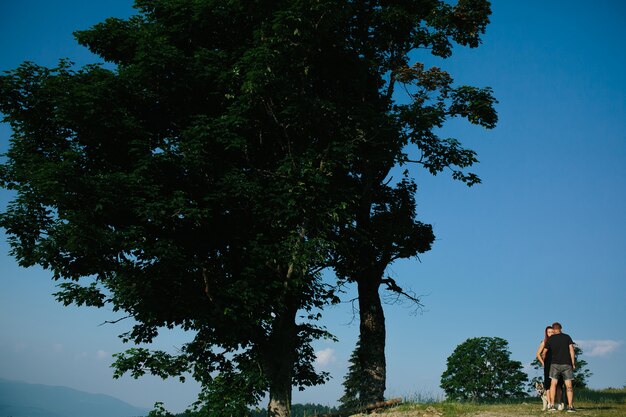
351, 382
481, 369
581, 373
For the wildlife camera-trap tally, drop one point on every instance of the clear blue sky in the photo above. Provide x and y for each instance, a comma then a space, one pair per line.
543, 238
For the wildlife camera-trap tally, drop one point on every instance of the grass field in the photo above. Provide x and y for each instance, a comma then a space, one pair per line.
596, 403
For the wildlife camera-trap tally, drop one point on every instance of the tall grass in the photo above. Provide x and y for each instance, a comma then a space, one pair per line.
423, 398
609, 402
609, 395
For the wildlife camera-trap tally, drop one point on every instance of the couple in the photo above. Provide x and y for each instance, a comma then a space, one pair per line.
556, 354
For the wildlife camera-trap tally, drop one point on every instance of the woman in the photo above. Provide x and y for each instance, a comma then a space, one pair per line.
546, 368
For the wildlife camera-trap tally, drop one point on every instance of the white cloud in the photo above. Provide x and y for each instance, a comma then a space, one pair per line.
101, 354
325, 357
598, 347
57, 347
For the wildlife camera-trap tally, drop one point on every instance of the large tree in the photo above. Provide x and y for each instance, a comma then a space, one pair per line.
206, 179
481, 369
195, 184
385, 227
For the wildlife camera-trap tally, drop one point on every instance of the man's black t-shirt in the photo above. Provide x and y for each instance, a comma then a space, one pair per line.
558, 345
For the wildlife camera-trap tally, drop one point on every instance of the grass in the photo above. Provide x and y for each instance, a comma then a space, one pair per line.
609, 395
589, 403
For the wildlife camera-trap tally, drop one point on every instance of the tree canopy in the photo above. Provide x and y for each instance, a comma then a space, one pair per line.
232, 152
194, 185
481, 369
385, 226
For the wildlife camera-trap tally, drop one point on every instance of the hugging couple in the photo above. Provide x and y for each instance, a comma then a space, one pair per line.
556, 354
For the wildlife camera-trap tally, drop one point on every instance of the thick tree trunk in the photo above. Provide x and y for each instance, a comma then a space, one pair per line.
280, 356
280, 399
372, 350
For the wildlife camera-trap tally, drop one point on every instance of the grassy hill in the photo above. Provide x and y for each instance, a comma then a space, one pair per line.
588, 403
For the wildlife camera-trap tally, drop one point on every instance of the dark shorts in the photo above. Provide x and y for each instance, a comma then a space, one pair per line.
546, 378
564, 371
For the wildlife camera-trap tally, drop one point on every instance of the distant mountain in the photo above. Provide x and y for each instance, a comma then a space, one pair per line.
18, 399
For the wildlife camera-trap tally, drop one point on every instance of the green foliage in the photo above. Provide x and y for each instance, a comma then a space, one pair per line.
233, 152
159, 411
175, 183
481, 369
389, 37
602, 396
351, 382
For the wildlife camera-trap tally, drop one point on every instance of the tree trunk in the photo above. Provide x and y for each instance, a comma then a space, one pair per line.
280, 400
372, 350
280, 356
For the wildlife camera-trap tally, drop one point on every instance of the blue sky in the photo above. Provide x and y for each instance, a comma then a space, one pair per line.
541, 240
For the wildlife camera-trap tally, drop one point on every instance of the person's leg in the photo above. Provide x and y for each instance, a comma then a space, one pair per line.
560, 389
554, 378
553, 385
547, 383
568, 376
570, 392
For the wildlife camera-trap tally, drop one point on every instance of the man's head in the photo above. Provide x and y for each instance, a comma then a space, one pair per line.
556, 326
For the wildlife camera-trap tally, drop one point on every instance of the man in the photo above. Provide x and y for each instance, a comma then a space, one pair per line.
546, 361
563, 364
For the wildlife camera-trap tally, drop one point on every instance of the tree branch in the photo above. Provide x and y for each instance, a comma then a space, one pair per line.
390, 87
355, 309
206, 284
114, 321
394, 287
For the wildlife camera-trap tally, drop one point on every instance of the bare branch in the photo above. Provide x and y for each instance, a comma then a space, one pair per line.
355, 310
114, 321
400, 293
419, 161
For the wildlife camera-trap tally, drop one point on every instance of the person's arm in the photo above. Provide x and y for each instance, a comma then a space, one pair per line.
573, 356
540, 354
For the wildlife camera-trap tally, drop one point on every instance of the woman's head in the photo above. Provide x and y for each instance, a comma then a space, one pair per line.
547, 333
